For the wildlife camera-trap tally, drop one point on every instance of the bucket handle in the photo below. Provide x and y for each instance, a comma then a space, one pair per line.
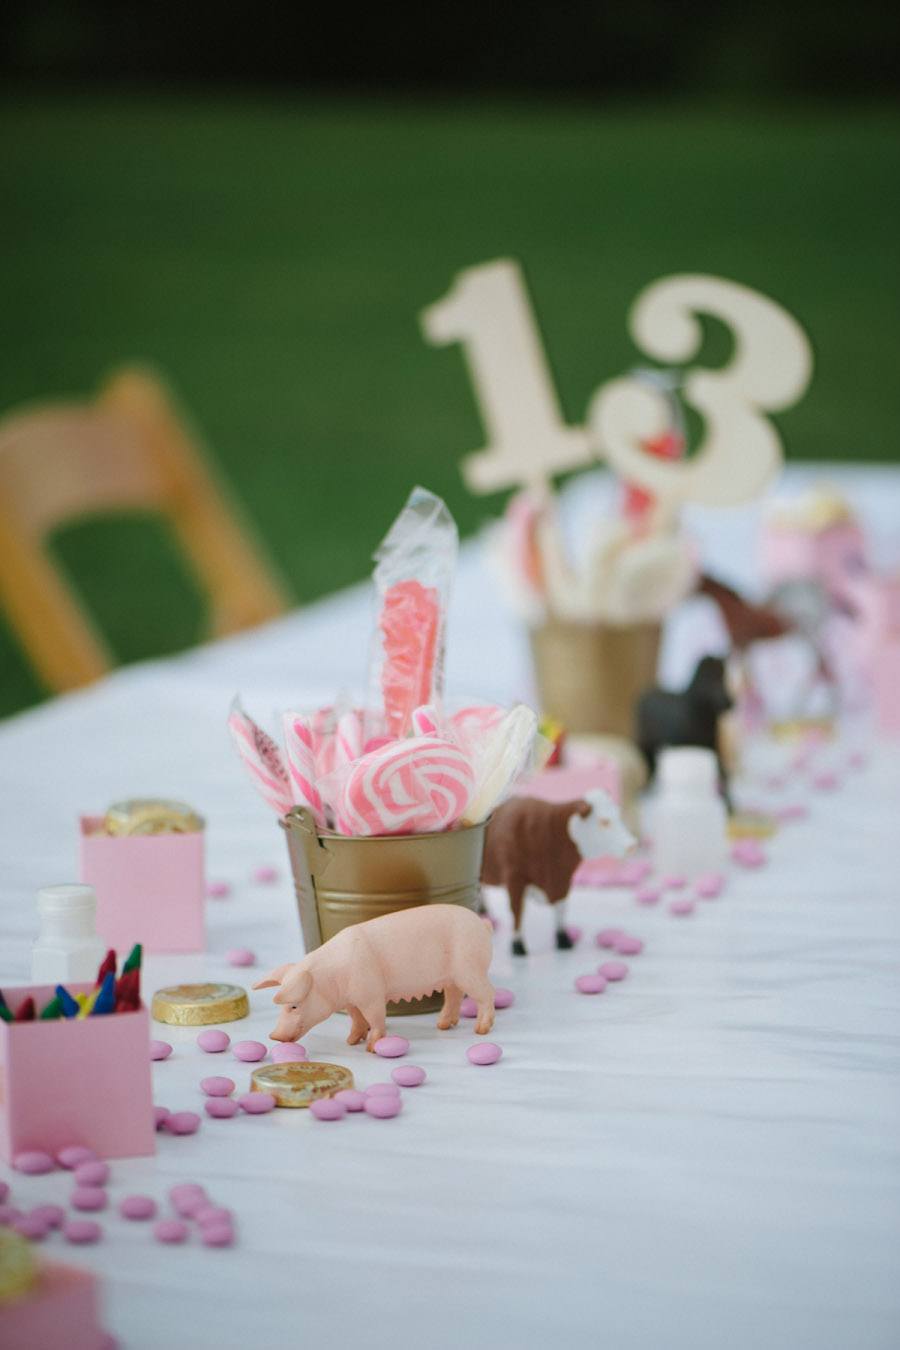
317, 855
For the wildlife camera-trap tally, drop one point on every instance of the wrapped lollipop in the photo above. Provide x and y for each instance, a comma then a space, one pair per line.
412, 786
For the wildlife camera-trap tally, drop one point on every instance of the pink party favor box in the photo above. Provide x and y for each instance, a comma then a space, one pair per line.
62, 1310
150, 887
75, 1081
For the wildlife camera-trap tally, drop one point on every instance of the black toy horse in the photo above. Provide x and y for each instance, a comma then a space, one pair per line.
690, 718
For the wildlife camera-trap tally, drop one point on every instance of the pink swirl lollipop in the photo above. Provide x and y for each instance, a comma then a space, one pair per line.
408, 787
470, 724
262, 759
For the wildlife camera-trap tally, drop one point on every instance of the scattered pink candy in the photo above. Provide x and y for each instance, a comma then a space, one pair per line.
633, 871
612, 970
8, 1215
4, 1192
213, 1041
160, 1049
748, 853
82, 1230
826, 782
217, 1235
327, 1108
505, 998
73, 1154
391, 1047
160, 1116
675, 882
627, 945
221, 1108
183, 1122
93, 1173
89, 1198
709, 886
856, 759
170, 1230
249, 1051
485, 1053
408, 1075
187, 1197
573, 933
681, 908
288, 1052
28, 1227
797, 811
468, 1007
264, 876
257, 1103
213, 1214
217, 1087
240, 956
217, 890
382, 1090
33, 1162
137, 1207
350, 1098
586, 984
648, 895
383, 1106
607, 937
51, 1215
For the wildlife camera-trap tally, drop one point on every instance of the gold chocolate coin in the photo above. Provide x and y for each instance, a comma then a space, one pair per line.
198, 1005
18, 1267
801, 727
301, 1082
147, 815
751, 825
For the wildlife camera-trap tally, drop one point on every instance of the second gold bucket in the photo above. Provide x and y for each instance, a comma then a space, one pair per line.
345, 879
590, 675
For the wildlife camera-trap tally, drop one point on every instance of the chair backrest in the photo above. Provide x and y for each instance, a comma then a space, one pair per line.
128, 450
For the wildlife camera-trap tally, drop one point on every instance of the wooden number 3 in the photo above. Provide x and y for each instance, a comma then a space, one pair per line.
489, 312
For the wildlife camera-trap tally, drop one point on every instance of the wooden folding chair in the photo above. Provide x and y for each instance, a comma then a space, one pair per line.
127, 450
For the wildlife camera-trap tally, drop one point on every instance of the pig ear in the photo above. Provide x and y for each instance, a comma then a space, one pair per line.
274, 977
295, 988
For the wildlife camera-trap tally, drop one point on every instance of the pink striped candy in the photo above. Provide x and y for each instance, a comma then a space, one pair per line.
425, 720
262, 759
348, 738
412, 786
301, 758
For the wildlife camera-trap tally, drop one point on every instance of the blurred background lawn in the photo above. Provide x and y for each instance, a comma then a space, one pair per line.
269, 253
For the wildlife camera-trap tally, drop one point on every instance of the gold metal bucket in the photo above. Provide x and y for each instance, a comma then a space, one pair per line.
346, 879
590, 675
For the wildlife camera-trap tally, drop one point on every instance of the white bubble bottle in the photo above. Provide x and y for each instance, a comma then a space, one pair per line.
690, 820
67, 949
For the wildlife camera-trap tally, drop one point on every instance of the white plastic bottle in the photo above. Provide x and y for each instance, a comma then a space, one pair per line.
67, 947
690, 820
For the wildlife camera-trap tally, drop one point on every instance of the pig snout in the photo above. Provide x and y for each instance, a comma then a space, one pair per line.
289, 1027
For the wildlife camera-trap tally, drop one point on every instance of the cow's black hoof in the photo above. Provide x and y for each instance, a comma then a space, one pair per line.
563, 942
518, 947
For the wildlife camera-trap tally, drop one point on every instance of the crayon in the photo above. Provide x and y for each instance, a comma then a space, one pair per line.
105, 1001
52, 1010
87, 1007
66, 1002
133, 959
128, 991
25, 1011
81, 1000
4, 1009
106, 965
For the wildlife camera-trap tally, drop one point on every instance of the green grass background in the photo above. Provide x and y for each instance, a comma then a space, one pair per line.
271, 258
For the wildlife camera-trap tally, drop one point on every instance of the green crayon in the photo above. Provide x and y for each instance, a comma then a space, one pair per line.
133, 960
52, 1010
5, 1013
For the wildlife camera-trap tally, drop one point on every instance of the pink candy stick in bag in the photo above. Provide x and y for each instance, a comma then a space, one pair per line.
298, 743
411, 786
348, 738
262, 759
410, 624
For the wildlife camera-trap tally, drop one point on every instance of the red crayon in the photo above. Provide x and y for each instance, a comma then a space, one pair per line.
128, 991
106, 965
25, 1011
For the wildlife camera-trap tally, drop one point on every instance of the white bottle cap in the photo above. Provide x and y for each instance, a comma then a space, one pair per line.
70, 897
689, 767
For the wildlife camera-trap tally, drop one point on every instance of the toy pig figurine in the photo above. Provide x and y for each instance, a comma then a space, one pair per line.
398, 956
533, 847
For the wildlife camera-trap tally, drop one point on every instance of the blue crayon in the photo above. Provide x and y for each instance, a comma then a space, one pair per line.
106, 999
68, 1004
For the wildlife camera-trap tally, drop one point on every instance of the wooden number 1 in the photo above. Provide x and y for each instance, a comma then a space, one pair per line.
489, 312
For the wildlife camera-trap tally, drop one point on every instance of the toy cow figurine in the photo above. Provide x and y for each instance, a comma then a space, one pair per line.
533, 847
690, 718
398, 956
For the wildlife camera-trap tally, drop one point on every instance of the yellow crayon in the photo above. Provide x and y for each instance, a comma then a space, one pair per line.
86, 1003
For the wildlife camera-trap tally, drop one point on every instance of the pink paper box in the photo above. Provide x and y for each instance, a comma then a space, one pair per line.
71, 1081
150, 888
61, 1311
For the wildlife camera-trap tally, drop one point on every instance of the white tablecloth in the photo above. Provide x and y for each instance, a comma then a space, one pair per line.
705, 1156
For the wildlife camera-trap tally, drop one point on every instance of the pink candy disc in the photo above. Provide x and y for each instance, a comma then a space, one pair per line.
573, 933
217, 890
327, 1108
391, 1047
856, 759
681, 908
607, 937
82, 1230
28, 1227
504, 998
383, 1106
350, 1099
4, 1191
92, 1173
627, 945
249, 1051
137, 1207
33, 1162
648, 895
187, 1197
73, 1154
160, 1049
257, 1103
632, 871
468, 1007
585, 984
288, 1052
408, 1075
485, 1053
749, 853
797, 811
240, 956
264, 876
8, 1215
217, 1087
221, 1108
382, 1090
170, 1230
213, 1042
675, 882
217, 1235
612, 970
160, 1116
183, 1122
213, 1214
826, 782
410, 786
710, 885
89, 1198
51, 1215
